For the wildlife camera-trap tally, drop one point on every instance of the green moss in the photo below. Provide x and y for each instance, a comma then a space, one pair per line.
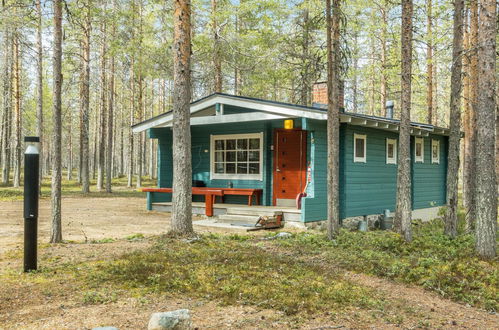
233, 271
432, 260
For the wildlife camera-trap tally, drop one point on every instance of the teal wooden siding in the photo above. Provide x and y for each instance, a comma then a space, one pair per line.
314, 206
365, 188
200, 136
369, 188
429, 180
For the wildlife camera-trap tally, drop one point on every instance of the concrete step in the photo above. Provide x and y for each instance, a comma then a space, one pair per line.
238, 219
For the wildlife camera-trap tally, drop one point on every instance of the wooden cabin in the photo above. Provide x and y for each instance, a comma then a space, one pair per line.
280, 150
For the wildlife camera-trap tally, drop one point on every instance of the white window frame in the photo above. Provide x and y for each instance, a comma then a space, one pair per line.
235, 176
394, 159
437, 144
419, 159
355, 158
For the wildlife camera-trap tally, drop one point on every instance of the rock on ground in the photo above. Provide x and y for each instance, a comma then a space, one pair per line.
178, 320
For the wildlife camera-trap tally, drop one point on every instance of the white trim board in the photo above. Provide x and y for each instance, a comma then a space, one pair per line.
285, 110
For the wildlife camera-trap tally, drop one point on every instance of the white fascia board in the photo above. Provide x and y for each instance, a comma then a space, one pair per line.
274, 108
287, 112
151, 124
234, 118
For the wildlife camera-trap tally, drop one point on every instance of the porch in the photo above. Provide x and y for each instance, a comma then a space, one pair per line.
237, 214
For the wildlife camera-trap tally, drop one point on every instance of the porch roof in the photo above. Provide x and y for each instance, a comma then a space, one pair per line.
209, 110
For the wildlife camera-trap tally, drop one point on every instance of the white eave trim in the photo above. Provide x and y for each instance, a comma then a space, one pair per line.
276, 109
234, 118
268, 111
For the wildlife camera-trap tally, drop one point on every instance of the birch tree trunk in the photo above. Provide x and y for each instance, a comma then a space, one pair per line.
39, 86
333, 117
56, 233
85, 102
17, 111
182, 159
402, 221
455, 122
486, 188
470, 152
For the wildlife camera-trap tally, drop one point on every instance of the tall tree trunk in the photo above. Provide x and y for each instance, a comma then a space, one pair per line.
122, 136
140, 142
70, 148
130, 134
384, 66
140, 105
56, 233
182, 158
333, 117
217, 54
7, 108
470, 152
486, 188
429, 61
455, 122
466, 96
402, 221
305, 75
151, 141
103, 111
17, 110
110, 118
355, 82
39, 81
85, 102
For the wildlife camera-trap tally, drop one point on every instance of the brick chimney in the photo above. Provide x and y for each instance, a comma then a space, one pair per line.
319, 94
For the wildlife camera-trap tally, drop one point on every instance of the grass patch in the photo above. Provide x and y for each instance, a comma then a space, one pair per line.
233, 270
73, 188
432, 260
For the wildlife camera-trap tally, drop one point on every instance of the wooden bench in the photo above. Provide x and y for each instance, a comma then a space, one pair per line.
243, 192
209, 195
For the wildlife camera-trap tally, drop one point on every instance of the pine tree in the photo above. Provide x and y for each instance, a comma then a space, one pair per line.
182, 162
455, 122
402, 220
56, 233
333, 116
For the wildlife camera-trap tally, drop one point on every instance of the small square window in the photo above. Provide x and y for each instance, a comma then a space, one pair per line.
359, 148
419, 150
435, 152
391, 151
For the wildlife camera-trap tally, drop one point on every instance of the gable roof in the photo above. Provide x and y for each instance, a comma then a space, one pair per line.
276, 110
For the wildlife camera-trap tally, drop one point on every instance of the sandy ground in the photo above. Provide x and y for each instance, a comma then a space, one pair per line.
27, 306
84, 219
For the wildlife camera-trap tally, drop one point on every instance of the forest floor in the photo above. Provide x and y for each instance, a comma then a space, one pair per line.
116, 268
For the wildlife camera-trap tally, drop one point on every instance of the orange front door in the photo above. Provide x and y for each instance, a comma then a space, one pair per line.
290, 168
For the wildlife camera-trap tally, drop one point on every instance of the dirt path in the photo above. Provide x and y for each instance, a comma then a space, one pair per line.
84, 219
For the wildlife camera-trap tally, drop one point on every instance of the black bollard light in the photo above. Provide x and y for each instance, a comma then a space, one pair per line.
31, 174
